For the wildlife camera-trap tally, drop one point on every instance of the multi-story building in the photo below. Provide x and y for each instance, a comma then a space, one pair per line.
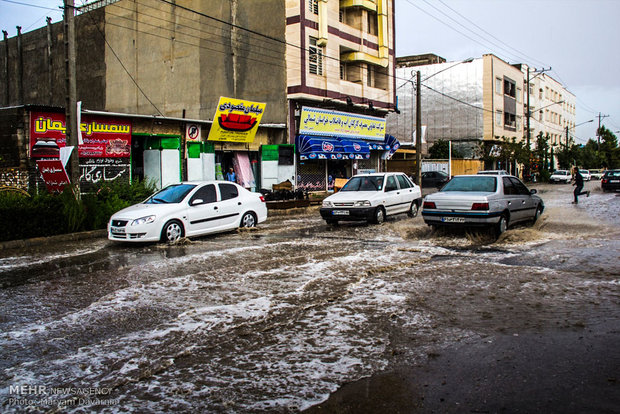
157, 71
552, 108
340, 86
478, 101
470, 102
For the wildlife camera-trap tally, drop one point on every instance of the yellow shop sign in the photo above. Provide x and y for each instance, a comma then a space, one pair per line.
236, 120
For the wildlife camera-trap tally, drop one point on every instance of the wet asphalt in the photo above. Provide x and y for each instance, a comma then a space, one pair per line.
297, 315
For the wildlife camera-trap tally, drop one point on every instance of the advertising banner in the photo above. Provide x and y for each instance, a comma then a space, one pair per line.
54, 175
236, 120
103, 137
315, 121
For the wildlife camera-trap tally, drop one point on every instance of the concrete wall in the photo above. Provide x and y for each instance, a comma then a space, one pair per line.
36, 74
184, 61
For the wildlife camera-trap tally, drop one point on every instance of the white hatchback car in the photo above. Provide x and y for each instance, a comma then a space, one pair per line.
372, 197
561, 176
188, 209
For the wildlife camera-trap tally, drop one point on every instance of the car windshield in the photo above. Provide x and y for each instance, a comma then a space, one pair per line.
478, 183
561, 172
171, 194
370, 183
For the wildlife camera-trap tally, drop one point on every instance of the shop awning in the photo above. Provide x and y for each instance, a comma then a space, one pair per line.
312, 147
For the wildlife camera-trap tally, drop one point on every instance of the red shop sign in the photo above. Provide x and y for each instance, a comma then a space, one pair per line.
102, 136
54, 175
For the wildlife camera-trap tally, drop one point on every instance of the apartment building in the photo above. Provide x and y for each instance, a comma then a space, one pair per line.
340, 86
552, 107
466, 102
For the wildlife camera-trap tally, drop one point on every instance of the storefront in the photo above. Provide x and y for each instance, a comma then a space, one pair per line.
333, 144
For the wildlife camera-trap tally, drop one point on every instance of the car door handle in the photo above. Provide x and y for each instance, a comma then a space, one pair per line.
239, 203
215, 208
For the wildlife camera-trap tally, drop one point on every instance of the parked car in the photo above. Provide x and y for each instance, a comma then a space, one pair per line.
495, 201
188, 209
560, 176
596, 174
493, 172
585, 174
372, 197
434, 179
611, 181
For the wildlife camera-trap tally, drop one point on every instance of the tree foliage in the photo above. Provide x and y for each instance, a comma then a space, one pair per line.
440, 150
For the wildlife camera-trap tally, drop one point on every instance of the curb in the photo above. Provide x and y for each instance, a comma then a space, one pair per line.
37, 241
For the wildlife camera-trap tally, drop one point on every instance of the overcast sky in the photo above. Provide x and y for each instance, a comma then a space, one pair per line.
578, 39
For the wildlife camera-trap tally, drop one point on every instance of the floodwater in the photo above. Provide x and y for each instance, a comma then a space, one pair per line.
277, 318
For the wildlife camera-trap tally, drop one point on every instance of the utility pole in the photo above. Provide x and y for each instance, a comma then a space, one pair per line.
528, 135
71, 132
598, 131
567, 136
418, 128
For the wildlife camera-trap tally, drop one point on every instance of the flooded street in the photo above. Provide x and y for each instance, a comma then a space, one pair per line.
278, 318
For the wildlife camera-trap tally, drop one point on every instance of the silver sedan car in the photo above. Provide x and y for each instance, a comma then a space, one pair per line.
495, 201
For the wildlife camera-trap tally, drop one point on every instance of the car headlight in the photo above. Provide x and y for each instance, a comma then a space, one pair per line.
364, 203
143, 220
327, 203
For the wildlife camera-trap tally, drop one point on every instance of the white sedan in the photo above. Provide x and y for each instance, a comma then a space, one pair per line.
372, 197
188, 209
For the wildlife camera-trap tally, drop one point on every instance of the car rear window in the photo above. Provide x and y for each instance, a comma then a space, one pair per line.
477, 183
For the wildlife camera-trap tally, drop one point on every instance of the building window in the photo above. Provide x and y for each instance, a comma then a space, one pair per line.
313, 6
372, 23
540, 93
510, 121
518, 94
498, 118
498, 86
540, 116
315, 57
510, 88
343, 72
370, 79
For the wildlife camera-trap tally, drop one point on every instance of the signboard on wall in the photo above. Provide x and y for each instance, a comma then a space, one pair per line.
316, 121
99, 170
236, 120
103, 137
53, 174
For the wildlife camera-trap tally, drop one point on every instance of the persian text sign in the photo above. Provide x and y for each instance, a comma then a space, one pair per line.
54, 175
103, 137
315, 121
236, 120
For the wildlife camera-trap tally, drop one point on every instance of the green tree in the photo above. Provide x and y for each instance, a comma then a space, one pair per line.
440, 150
609, 151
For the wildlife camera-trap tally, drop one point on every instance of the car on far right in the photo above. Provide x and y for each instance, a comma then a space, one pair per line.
560, 176
611, 181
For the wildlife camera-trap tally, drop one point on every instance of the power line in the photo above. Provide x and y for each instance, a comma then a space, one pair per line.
494, 37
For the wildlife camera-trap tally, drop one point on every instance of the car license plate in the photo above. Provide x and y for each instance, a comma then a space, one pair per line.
340, 212
118, 230
453, 219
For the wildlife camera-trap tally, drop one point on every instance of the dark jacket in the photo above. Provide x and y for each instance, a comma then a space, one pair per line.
578, 179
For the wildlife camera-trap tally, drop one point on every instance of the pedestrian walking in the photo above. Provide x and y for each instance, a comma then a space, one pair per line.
578, 186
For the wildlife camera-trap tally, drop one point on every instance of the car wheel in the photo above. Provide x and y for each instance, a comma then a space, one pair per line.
379, 216
502, 225
413, 209
537, 214
172, 231
248, 220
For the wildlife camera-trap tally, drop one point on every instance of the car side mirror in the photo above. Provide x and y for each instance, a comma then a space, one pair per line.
533, 191
197, 201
